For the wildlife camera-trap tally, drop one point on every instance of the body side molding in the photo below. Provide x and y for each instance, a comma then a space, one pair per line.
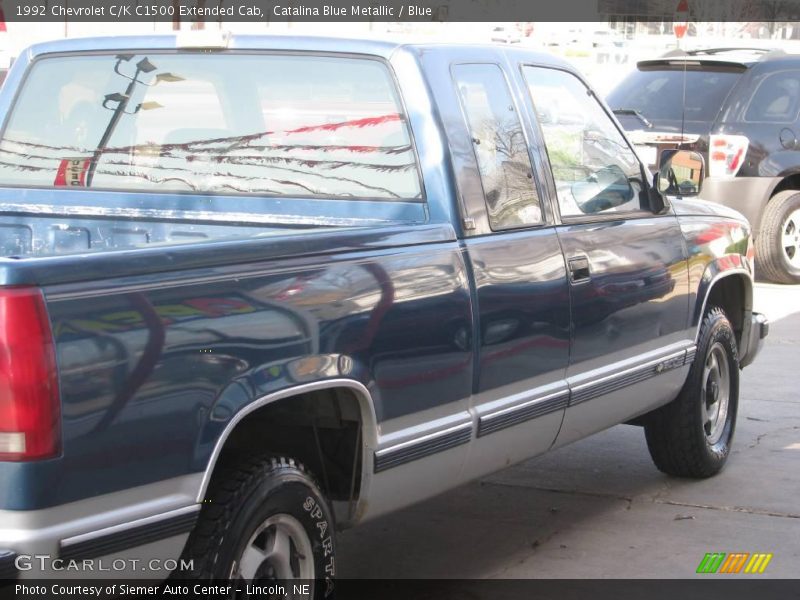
118, 538
544, 402
611, 383
532, 409
395, 456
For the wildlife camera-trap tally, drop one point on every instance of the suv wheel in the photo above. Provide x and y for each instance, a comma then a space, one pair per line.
264, 522
778, 242
691, 436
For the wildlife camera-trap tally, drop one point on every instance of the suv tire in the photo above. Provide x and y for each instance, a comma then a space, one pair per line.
778, 243
264, 521
691, 436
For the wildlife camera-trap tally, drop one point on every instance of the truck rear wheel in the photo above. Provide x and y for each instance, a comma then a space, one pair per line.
691, 436
265, 522
778, 243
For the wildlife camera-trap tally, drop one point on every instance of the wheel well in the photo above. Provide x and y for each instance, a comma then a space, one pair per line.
730, 294
791, 182
321, 429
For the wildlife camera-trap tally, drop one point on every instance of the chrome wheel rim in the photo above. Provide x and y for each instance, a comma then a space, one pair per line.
715, 395
790, 239
278, 550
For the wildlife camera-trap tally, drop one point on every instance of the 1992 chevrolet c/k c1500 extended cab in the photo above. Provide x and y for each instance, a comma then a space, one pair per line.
259, 290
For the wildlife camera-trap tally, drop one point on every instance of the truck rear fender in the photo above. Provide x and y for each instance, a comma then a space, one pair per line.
294, 421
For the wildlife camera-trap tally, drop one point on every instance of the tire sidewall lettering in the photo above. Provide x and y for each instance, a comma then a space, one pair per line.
325, 539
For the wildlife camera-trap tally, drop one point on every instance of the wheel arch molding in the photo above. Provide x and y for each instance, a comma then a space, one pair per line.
728, 284
219, 434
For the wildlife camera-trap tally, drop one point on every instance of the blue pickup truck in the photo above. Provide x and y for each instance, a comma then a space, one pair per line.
255, 290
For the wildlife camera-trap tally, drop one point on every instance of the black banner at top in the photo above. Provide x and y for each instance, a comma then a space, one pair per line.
222, 11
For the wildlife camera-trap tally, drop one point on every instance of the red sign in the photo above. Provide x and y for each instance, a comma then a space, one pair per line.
72, 172
681, 23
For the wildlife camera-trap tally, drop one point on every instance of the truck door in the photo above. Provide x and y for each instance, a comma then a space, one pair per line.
627, 266
520, 294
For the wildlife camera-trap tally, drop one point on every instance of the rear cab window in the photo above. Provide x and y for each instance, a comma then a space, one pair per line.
258, 124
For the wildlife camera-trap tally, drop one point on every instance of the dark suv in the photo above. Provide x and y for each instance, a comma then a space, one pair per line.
740, 108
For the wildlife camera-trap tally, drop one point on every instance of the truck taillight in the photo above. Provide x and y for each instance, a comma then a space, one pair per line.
726, 154
30, 415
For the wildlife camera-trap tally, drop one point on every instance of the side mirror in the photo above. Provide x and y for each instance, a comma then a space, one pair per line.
602, 190
681, 173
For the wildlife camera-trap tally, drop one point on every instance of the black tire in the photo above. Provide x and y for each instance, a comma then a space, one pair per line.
679, 437
245, 498
773, 260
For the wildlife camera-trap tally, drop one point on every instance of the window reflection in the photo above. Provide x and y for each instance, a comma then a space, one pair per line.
594, 168
258, 124
500, 146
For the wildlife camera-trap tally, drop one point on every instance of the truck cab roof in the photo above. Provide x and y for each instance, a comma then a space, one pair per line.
381, 47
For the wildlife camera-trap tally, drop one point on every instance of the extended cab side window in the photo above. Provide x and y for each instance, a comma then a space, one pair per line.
595, 170
500, 146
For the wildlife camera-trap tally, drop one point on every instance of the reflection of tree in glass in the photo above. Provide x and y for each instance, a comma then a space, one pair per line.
506, 173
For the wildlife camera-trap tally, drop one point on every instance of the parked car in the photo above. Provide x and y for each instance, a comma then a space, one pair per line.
607, 38
505, 35
742, 113
260, 293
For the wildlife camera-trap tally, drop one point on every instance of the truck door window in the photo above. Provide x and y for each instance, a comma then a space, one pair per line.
262, 124
500, 146
594, 168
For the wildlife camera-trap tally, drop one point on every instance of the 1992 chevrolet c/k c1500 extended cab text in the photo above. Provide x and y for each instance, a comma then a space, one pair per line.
257, 291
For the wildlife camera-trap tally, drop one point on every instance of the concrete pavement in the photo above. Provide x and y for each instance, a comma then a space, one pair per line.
599, 508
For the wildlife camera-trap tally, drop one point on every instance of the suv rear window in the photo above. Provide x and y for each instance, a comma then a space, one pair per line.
285, 125
658, 94
776, 100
